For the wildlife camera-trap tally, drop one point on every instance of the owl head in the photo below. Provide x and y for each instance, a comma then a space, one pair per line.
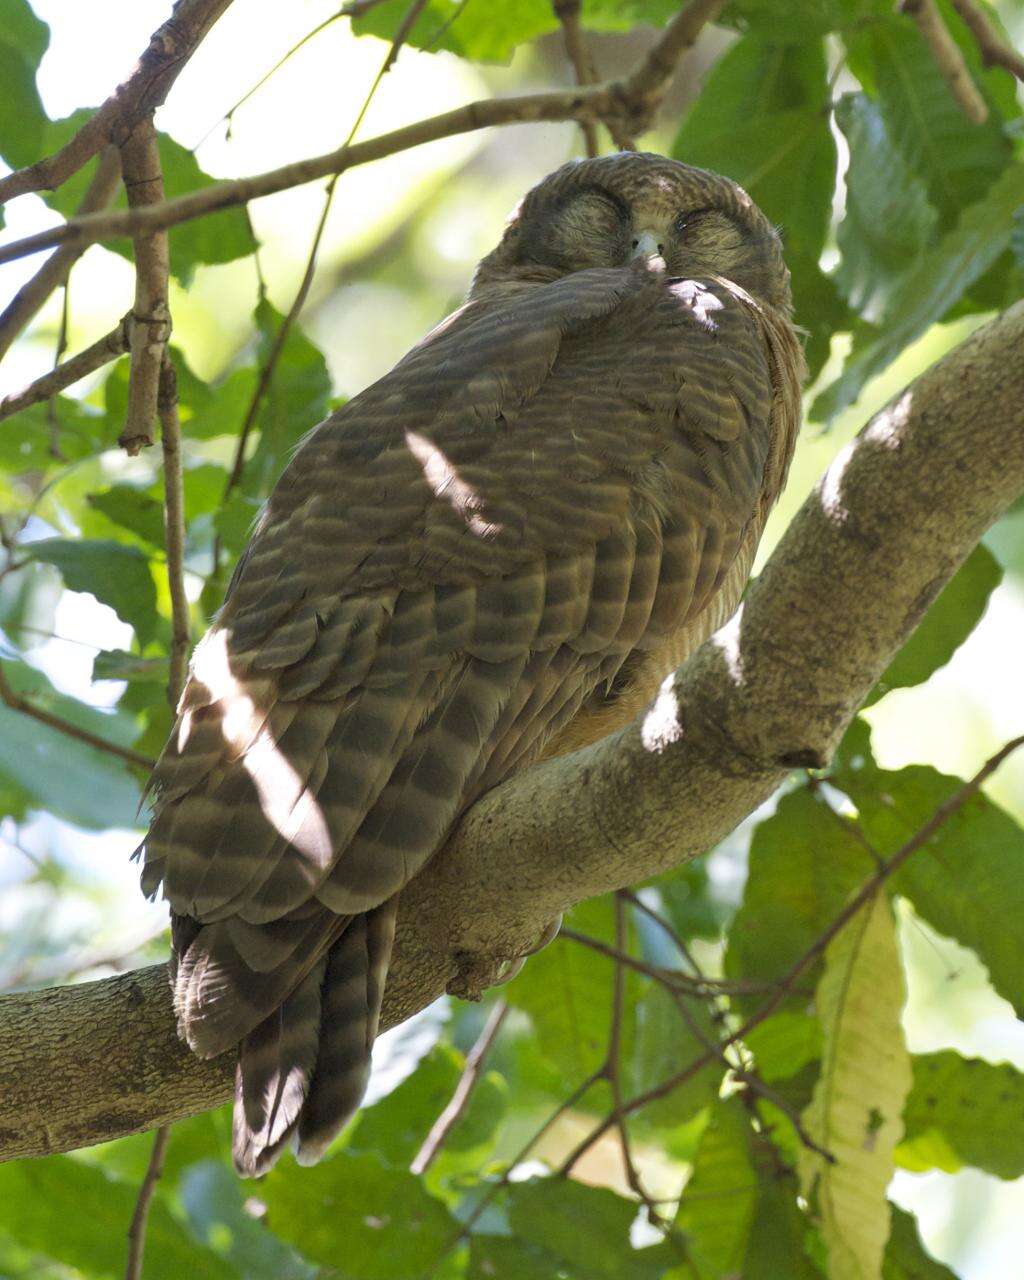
607, 211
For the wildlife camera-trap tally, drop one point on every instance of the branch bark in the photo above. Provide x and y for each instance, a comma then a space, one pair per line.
170, 48
631, 101
889, 523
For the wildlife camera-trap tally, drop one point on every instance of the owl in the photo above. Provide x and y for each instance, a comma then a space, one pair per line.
492, 555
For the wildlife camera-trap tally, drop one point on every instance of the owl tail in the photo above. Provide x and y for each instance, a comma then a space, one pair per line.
303, 1071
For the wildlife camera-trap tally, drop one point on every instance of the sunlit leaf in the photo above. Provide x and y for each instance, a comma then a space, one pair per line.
946, 625
964, 1111
117, 575
968, 880
73, 1213
392, 1226
855, 1112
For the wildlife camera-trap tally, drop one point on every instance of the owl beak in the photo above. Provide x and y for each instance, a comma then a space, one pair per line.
645, 245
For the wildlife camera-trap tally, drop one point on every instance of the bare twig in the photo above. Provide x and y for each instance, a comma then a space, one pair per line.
666, 977
786, 983
54, 271
948, 58
16, 702
449, 1117
149, 325
107, 348
568, 14
174, 527
137, 1229
170, 48
634, 99
995, 52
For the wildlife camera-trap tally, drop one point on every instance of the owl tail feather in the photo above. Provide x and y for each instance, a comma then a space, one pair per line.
302, 1073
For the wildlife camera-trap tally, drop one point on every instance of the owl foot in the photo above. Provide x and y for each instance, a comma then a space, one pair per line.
476, 973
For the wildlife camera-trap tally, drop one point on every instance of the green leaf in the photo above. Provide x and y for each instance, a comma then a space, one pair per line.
925, 294
956, 158
762, 119
796, 20
719, 1202
858, 1100
117, 664
487, 33
905, 1256
784, 1043
295, 401
585, 1228
968, 880
889, 221
73, 1213
214, 1200
805, 861
133, 509
117, 575
964, 1111
33, 440
220, 237
57, 774
392, 1227
946, 625
23, 41
778, 1247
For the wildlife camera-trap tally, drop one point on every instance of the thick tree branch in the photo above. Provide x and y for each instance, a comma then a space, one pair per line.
170, 48
889, 523
632, 100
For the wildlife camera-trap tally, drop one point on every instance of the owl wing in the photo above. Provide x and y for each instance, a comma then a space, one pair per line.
448, 569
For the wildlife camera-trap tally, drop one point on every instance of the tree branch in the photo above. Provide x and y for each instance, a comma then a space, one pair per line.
633, 99
54, 271
995, 52
888, 525
947, 57
568, 14
107, 348
149, 324
170, 48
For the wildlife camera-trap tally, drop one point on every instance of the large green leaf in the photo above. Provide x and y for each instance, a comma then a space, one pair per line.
804, 863
220, 237
391, 1226
73, 1213
23, 41
946, 625
968, 880
762, 119
39, 440
905, 1256
956, 158
719, 1202
587, 1229
855, 1111
964, 1111
44, 769
926, 293
889, 221
798, 19
117, 575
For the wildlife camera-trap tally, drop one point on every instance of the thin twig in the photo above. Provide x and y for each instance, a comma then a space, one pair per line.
634, 98
948, 58
27, 302
107, 348
169, 50
568, 14
666, 977
137, 1229
995, 52
18, 703
449, 1117
174, 527
786, 984
266, 373
150, 322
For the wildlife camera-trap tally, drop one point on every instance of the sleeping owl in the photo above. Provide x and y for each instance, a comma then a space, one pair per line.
492, 555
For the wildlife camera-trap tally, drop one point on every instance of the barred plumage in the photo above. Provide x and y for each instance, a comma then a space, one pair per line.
492, 554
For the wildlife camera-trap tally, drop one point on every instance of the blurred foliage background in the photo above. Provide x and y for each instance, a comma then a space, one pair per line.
904, 230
